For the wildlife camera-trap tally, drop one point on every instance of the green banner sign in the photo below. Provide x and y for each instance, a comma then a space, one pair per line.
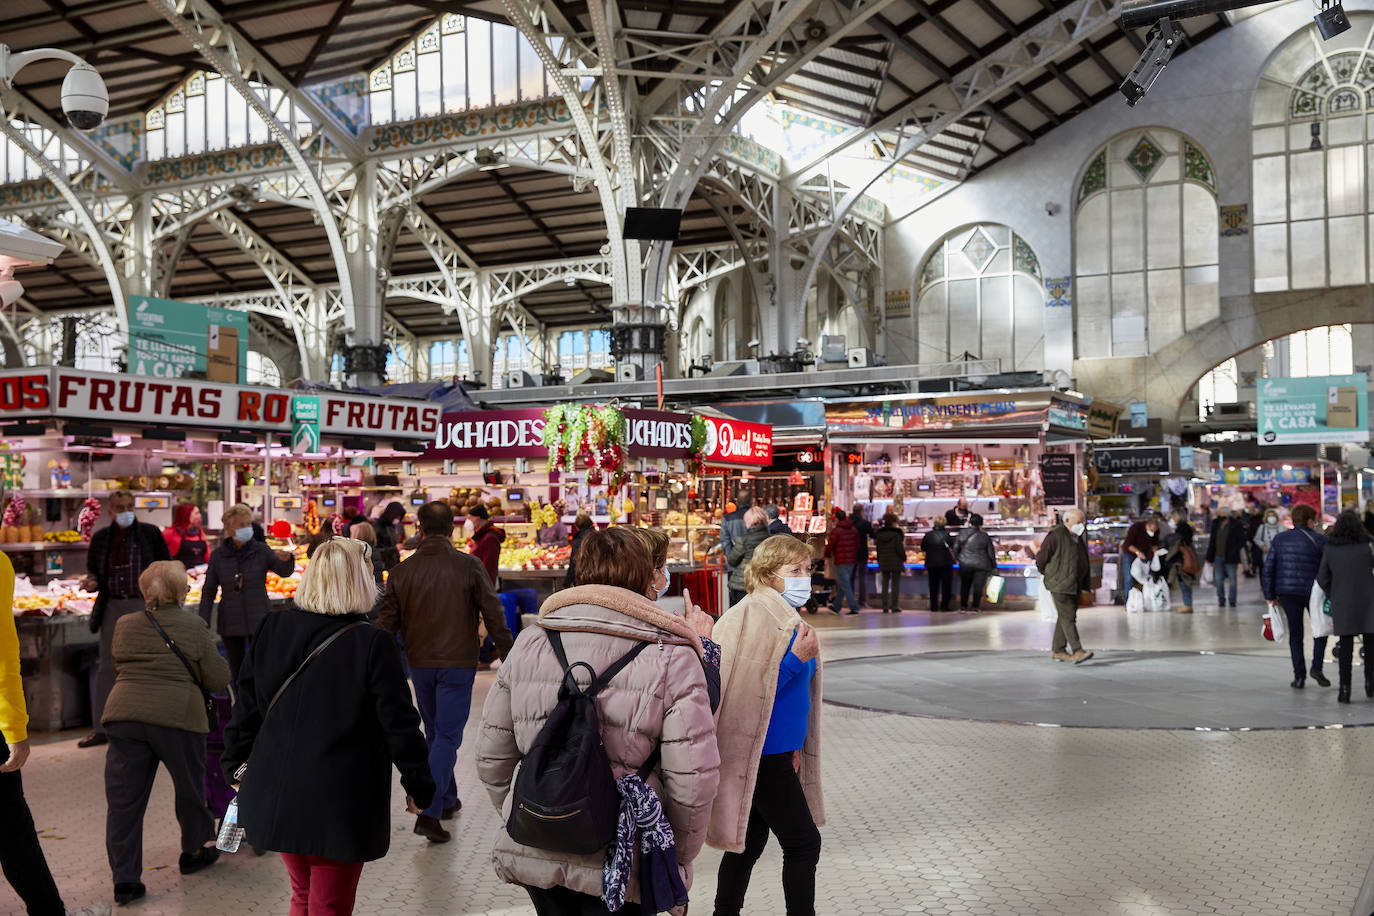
168, 339
1324, 408
305, 424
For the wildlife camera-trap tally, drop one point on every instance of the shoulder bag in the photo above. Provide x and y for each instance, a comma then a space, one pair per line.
211, 710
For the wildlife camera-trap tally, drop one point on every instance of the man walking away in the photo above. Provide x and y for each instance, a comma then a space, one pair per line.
864, 529
116, 558
1065, 571
1224, 552
775, 524
433, 600
732, 528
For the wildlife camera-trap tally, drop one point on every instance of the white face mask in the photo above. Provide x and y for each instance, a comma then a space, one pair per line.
796, 591
1078, 529
124, 519
666, 582
468, 529
1272, 519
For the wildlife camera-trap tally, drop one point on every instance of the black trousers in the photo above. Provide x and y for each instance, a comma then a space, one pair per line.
780, 806
21, 856
736, 597
1345, 657
941, 587
235, 650
130, 767
971, 580
560, 901
891, 581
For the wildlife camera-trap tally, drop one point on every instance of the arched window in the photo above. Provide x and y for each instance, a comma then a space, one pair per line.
206, 113
698, 342
1145, 242
261, 370
463, 359
981, 292
1310, 141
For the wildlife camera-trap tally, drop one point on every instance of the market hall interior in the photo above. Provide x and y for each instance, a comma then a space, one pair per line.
865, 266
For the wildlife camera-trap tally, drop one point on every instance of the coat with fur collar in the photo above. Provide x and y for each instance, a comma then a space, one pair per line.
658, 699
753, 637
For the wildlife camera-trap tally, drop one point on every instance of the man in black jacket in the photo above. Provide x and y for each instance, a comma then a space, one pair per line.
1224, 550
865, 531
1065, 571
434, 599
938, 547
775, 524
117, 557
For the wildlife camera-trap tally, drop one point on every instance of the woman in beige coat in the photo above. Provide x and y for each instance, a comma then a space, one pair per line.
770, 731
658, 700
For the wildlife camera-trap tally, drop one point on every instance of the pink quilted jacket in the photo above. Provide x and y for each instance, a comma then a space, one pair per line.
659, 697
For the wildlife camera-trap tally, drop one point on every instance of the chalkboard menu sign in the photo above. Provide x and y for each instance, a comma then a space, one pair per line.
1057, 473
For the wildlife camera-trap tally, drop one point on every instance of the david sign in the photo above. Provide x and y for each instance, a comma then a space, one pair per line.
735, 442
1329, 408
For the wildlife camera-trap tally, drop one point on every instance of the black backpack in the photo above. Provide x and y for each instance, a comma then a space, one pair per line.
565, 797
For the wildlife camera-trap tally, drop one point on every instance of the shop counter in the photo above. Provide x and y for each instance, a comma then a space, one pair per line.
55, 655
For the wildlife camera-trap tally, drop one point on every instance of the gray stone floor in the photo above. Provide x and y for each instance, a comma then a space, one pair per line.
926, 815
1113, 689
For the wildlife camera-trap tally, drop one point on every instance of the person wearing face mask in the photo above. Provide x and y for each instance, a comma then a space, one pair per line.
769, 731
237, 575
118, 555
186, 539
742, 550
1269, 529
1065, 571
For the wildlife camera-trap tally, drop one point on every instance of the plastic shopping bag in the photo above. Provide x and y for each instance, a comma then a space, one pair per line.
996, 585
1273, 625
1140, 570
1135, 600
1044, 603
1208, 575
1319, 613
1156, 595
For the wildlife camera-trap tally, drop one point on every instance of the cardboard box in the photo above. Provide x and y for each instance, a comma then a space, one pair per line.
1342, 405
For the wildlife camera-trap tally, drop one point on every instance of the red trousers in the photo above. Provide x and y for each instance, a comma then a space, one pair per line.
321, 887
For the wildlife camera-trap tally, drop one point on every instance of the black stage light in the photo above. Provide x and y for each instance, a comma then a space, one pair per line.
1331, 21
1160, 46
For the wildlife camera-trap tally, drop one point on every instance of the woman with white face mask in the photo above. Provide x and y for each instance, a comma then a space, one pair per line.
237, 573
769, 730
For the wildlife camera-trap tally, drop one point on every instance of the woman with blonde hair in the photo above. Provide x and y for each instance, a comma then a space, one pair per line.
324, 713
769, 731
163, 659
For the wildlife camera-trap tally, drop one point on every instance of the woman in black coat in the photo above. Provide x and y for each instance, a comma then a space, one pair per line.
1346, 574
583, 524
390, 535
317, 788
890, 541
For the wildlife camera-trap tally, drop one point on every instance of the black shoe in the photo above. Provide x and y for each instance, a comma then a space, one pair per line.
448, 813
850, 611
1233, 604
1343, 694
201, 859
1368, 681
431, 829
1298, 683
1320, 678
128, 893
94, 739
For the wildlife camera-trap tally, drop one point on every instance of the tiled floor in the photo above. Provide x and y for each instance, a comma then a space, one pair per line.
927, 816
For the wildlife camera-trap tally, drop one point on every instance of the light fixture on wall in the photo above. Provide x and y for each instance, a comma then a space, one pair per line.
1316, 135
1331, 21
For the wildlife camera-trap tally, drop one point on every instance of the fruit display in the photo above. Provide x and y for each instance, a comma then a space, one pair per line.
89, 515
533, 556
59, 597
69, 536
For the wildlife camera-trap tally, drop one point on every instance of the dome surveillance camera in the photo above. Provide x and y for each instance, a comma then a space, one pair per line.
84, 97
10, 291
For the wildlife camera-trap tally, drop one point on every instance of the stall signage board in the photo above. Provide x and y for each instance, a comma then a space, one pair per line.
1321, 409
737, 442
1258, 477
490, 434
1140, 415
656, 434
1067, 414
137, 400
305, 426
1154, 459
1057, 473
168, 339
1102, 418
1005, 408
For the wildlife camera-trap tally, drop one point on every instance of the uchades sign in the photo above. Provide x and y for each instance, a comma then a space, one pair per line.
490, 434
138, 400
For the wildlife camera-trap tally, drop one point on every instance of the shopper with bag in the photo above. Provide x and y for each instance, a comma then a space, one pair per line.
938, 547
1346, 575
324, 713
166, 666
977, 561
652, 699
1289, 570
1181, 560
890, 543
1065, 572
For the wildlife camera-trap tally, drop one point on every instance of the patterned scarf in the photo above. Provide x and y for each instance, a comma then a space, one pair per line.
642, 819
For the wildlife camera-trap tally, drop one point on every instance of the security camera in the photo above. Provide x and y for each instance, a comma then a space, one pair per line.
10, 291
84, 97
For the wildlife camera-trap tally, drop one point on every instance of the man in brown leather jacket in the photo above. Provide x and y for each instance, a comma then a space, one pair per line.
433, 600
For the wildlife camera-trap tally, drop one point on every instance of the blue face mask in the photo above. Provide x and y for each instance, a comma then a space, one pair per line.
796, 591
243, 535
124, 519
667, 580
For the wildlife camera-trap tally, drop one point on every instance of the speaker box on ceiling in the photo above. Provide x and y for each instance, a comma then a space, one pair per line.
653, 224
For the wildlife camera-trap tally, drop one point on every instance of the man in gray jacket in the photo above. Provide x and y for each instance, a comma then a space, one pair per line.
1065, 571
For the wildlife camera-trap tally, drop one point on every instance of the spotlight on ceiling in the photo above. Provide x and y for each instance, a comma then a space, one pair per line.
816, 30
1160, 45
487, 159
1331, 21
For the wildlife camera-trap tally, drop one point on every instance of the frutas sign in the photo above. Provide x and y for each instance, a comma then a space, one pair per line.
737, 442
137, 400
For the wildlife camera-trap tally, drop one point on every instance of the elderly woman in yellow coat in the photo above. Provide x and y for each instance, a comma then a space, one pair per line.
769, 731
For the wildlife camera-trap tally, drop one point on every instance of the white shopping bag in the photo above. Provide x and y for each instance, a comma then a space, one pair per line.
1208, 576
1319, 613
1044, 603
1157, 595
1140, 571
1275, 628
1135, 600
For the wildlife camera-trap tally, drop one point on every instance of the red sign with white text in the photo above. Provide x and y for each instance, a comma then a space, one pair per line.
132, 399
731, 442
489, 434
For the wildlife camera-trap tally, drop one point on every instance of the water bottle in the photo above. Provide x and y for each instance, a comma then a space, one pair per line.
230, 833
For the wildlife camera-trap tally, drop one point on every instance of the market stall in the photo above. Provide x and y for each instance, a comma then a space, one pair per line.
1014, 456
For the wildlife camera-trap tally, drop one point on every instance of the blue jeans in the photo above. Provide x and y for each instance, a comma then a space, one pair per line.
844, 585
444, 696
1185, 591
1222, 571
